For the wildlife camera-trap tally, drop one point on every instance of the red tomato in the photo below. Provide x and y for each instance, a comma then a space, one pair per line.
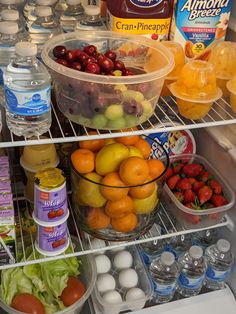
28, 303
73, 292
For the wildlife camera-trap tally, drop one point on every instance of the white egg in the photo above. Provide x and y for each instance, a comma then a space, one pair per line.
103, 264
128, 278
123, 260
119, 248
98, 244
112, 297
105, 282
136, 297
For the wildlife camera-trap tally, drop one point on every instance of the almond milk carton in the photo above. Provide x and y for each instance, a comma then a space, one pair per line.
197, 24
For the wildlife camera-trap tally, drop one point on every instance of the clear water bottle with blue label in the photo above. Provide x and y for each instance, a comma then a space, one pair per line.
179, 244
92, 19
27, 86
9, 5
205, 238
72, 15
32, 13
193, 268
14, 16
164, 272
220, 261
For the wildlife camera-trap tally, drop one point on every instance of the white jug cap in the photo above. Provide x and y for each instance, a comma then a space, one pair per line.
43, 11
9, 1
9, 27
92, 10
223, 245
26, 49
196, 251
10, 15
73, 2
167, 258
45, 2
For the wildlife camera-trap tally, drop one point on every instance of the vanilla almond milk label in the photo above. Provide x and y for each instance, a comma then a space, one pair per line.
197, 24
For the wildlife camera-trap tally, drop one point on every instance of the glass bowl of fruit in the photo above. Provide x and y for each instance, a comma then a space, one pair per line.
195, 192
107, 80
116, 185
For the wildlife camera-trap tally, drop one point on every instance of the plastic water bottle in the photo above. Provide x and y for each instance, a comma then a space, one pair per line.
193, 268
8, 38
44, 28
9, 5
164, 271
205, 238
92, 19
13, 16
27, 86
179, 244
32, 13
220, 260
71, 15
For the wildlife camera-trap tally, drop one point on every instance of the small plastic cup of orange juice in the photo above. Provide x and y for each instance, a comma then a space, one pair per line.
223, 57
195, 89
231, 86
179, 57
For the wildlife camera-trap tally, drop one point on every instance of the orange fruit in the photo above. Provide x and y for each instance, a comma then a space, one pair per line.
128, 140
93, 145
144, 147
83, 160
156, 167
97, 219
125, 224
134, 170
109, 141
120, 208
116, 193
142, 191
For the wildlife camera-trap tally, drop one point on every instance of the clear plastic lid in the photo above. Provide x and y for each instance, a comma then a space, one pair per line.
9, 28
42, 11
73, 2
10, 15
26, 49
223, 245
167, 258
92, 10
196, 252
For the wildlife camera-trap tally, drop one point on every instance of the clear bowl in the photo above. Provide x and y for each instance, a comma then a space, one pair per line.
110, 102
191, 218
144, 283
231, 86
92, 218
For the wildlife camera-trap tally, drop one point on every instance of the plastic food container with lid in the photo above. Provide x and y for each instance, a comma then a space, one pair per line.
231, 86
193, 218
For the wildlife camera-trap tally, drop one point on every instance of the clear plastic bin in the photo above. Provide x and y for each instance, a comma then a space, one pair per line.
191, 218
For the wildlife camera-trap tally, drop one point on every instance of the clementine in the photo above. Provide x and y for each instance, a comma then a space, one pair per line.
156, 168
117, 189
144, 147
125, 224
93, 145
134, 170
97, 219
109, 141
128, 140
120, 208
83, 160
142, 191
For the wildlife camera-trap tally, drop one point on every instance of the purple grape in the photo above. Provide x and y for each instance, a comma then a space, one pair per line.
132, 107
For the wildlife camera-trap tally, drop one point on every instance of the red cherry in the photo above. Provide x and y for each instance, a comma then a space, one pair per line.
77, 53
93, 68
154, 36
59, 52
127, 72
85, 62
99, 56
119, 65
90, 49
76, 66
62, 62
106, 65
83, 57
111, 55
70, 55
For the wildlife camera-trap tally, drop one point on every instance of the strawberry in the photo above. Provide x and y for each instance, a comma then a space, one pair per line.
177, 166
204, 176
216, 186
184, 184
172, 181
169, 173
218, 200
192, 180
192, 170
179, 196
193, 219
204, 194
197, 185
189, 196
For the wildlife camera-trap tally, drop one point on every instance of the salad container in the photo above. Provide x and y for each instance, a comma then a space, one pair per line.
193, 218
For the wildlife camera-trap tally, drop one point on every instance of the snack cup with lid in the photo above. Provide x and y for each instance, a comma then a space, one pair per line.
231, 86
195, 89
118, 212
108, 101
179, 57
223, 57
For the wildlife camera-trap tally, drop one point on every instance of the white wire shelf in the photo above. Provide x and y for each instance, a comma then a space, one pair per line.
63, 130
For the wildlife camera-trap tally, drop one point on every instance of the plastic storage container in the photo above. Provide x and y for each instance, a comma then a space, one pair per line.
205, 218
89, 99
144, 284
231, 86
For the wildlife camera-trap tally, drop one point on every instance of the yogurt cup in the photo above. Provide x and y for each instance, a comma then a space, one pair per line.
52, 238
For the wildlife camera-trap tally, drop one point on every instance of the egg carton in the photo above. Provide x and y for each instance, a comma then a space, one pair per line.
136, 299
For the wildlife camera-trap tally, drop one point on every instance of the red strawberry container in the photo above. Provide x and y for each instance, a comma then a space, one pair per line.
198, 196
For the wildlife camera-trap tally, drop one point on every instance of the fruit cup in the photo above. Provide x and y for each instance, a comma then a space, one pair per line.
106, 206
195, 89
179, 58
109, 100
223, 57
231, 86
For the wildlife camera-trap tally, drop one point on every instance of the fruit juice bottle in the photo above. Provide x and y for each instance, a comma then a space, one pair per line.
149, 18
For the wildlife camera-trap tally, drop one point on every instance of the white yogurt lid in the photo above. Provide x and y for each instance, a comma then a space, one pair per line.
50, 224
51, 253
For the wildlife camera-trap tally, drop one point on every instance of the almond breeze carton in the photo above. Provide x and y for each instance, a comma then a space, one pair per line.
197, 24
